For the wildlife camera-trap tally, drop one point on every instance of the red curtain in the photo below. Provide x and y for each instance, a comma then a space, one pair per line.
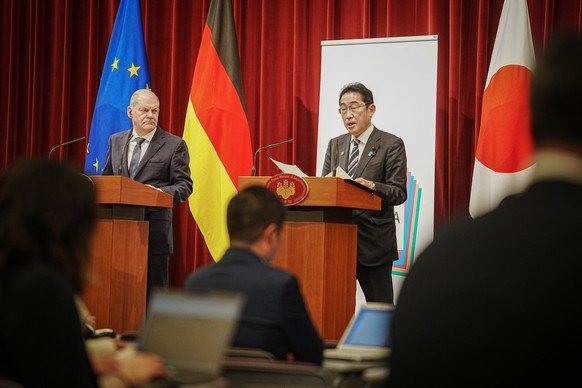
53, 52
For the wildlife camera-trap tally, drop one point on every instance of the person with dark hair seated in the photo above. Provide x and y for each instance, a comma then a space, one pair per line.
47, 214
275, 317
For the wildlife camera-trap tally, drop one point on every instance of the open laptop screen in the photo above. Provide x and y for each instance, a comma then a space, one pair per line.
371, 327
190, 331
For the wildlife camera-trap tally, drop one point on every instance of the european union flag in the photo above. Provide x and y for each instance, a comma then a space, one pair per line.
125, 71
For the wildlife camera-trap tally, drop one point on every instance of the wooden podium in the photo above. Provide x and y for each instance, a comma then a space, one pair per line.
116, 291
319, 246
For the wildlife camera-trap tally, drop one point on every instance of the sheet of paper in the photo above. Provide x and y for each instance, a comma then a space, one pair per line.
340, 173
289, 168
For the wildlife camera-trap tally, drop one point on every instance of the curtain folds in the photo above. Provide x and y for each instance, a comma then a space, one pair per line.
53, 53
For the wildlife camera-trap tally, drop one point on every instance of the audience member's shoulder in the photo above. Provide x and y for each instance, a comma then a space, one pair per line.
200, 271
39, 281
459, 232
280, 274
37, 272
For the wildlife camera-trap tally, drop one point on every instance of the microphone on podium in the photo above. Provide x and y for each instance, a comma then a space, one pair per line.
64, 144
335, 159
254, 169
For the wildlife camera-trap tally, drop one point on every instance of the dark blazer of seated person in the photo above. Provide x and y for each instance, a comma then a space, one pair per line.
40, 334
46, 213
275, 317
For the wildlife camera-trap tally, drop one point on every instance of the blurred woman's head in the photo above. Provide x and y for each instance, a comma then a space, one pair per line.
47, 214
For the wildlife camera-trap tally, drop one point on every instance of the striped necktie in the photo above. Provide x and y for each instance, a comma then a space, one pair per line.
354, 157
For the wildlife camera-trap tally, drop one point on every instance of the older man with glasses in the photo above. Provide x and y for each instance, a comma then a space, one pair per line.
377, 160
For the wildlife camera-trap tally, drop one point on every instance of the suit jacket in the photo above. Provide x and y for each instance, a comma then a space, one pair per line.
41, 342
165, 165
275, 317
383, 162
496, 301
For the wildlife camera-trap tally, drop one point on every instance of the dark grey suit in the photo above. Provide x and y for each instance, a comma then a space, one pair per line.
275, 317
383, 162
165, 165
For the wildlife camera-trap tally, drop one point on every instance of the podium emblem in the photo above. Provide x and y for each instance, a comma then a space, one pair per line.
290, 188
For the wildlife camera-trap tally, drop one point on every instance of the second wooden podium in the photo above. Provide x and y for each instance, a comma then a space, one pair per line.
319, 246
116, 293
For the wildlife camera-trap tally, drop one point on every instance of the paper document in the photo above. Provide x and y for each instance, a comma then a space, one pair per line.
293, 169
289, 168
340, 173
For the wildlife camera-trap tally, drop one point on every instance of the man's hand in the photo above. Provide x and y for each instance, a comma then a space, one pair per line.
153, 187
367, 183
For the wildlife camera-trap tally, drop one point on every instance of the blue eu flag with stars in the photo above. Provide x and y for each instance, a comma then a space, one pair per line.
125, 71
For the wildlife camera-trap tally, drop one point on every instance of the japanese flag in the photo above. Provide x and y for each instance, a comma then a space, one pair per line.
504, 155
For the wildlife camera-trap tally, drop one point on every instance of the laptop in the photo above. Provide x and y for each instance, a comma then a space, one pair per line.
367, 336
191, 332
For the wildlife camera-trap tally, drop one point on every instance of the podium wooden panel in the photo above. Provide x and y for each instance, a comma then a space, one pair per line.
319, 246
116, 293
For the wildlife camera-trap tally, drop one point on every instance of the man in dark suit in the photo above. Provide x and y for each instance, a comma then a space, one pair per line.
275, 317
495, 301
380, 164
150, 155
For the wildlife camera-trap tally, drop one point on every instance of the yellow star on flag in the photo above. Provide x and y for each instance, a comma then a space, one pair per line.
133, 70
114, 65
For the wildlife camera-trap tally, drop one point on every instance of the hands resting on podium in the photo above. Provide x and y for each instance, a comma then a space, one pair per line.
153, 187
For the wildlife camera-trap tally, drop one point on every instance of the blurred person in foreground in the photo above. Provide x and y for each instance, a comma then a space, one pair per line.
495, 301
275, 317
47, 215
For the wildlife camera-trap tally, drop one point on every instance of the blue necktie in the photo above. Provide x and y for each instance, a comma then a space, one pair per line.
135, 157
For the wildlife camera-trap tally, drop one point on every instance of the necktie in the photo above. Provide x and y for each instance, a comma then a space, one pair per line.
354, 157
135, 157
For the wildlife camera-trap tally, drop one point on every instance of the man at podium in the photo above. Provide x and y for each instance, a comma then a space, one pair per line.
376, 159
152, 156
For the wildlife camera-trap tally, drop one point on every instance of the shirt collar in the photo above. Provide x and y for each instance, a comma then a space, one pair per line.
364, 136
148, 136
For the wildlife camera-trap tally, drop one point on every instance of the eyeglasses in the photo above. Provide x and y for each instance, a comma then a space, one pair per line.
354, 108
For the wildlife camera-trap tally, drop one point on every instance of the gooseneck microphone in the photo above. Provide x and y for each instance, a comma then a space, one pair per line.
335, 159
64, 144
254, 169
124, 156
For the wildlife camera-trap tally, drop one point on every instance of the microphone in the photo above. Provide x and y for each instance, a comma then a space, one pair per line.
64, 144
123, 155
254, 169
336, 158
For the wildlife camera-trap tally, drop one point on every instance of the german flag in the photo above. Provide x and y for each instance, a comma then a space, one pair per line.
216, 128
